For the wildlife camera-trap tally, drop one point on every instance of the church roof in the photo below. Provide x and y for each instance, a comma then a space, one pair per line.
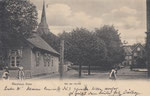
38, 42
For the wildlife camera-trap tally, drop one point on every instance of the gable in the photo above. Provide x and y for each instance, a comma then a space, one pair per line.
138, 47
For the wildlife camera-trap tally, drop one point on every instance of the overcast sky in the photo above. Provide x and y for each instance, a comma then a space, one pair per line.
128, 16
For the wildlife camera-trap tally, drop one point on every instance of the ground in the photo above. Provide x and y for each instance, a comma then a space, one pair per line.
122, 74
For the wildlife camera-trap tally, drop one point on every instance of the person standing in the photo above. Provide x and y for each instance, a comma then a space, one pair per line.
20, 73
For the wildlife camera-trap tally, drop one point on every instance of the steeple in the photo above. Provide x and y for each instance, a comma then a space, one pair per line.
43, 26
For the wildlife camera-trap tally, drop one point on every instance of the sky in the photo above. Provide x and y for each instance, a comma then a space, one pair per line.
128, 16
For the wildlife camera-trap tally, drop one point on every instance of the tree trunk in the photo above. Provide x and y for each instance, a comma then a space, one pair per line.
80, 70
89, 69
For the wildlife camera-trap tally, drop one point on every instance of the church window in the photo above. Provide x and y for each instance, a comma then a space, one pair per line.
45, 59
52, 61
48, 59
37, 58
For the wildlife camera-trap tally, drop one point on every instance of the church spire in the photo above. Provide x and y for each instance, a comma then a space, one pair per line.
43, 26
43, 18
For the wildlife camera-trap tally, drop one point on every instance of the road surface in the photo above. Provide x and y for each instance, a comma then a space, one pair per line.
122, 74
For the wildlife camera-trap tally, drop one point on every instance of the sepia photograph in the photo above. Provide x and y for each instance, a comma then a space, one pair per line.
73, 46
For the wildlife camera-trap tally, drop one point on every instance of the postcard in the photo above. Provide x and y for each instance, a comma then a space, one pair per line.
74, 47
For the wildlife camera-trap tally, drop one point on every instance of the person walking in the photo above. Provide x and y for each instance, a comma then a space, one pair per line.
112, 75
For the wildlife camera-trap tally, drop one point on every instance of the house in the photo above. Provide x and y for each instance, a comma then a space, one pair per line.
128, 55
135, 55
36, 56
138, 55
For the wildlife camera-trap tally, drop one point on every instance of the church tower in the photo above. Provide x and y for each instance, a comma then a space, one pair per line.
148, 36
44, 32
43, 26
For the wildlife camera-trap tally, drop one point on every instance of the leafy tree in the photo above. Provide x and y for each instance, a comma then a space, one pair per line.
111, 37
100, 48
83, 48
52, 40
18, 20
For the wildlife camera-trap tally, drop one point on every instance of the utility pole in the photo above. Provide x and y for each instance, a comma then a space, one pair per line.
89, 69
148, 36
61, 59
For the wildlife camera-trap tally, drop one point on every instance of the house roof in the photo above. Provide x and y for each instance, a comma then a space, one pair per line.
38, 42
129, 49
136, 46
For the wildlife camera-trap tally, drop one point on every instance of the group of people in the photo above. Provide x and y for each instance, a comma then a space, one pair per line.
6, 74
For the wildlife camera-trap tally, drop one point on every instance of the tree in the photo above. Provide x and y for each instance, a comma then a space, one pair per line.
111, 37
18, 20
83, 48
52, 40
19, 17
99, 48
97, 52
